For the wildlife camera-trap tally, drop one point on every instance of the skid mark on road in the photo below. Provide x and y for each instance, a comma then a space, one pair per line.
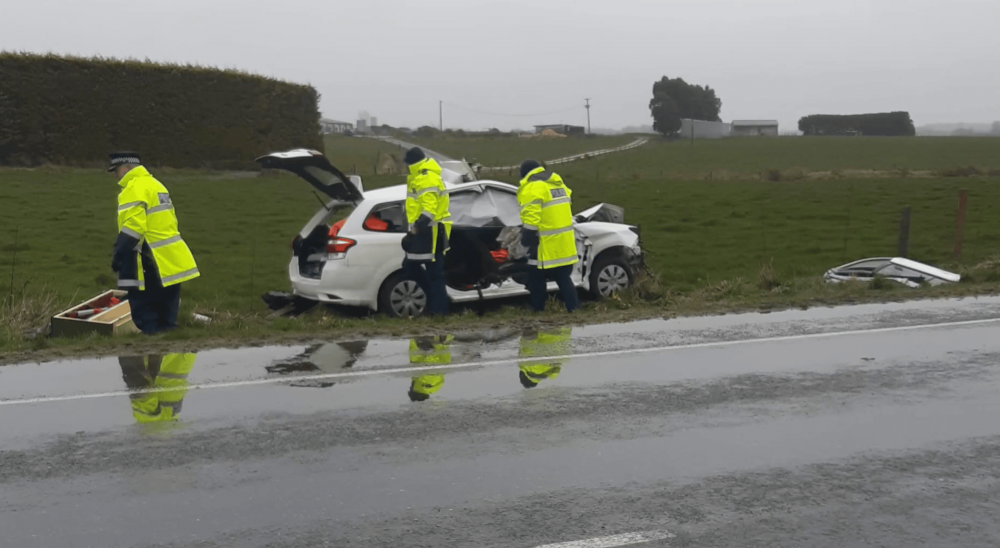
627, 539
411, 370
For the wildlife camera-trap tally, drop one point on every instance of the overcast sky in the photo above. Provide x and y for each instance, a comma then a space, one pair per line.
772, 59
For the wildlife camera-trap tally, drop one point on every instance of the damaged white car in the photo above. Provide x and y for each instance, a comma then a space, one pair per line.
897, 269
350, 252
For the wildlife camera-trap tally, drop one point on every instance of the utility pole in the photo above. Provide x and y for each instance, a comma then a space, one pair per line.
441, 115
588, 115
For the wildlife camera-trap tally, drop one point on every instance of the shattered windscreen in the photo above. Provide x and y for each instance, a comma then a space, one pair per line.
489, 208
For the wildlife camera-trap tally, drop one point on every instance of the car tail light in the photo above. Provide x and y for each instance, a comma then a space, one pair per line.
337, 247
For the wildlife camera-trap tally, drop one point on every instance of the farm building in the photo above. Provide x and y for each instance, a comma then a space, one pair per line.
327, 126
751, 128
565, 129
703, 129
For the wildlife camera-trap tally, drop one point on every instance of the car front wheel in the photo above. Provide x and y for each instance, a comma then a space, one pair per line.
609, 275
401, 298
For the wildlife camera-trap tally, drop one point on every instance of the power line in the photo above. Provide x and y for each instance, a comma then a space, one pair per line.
511, 115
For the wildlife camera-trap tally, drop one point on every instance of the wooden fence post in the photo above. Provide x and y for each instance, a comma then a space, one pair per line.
963, 198
904, 233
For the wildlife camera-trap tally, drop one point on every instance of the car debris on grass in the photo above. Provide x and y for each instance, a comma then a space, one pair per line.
897, 269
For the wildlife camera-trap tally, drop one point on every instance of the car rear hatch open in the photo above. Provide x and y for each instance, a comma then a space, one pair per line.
317, 240
312, 166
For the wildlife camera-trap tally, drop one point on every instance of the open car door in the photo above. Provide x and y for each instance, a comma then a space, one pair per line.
312, 166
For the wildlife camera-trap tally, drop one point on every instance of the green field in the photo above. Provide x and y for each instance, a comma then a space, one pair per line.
357, 155
681, 160
507, 150
698, 233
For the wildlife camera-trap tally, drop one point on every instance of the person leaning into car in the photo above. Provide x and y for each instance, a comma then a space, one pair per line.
547, 232
427, 212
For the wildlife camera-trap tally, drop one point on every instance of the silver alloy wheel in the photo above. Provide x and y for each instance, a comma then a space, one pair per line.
611, 279
407, 299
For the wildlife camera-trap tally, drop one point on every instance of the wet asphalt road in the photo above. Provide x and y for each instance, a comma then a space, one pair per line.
861, 426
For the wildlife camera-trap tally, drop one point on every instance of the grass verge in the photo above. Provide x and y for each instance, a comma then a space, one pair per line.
718, 245
647, 299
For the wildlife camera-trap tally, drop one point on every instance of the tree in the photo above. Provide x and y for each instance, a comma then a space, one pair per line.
884, 124
674, 99
426, 131
666, 116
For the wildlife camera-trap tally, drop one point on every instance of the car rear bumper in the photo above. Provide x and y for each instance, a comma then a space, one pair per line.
339, 284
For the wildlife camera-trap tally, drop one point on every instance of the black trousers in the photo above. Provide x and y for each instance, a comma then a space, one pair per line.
430, 278
155, 309
537, 281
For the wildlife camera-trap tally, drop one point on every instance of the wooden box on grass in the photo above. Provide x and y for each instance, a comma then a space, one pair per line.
110, 321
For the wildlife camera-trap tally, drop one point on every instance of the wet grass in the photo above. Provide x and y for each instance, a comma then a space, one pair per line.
715, 245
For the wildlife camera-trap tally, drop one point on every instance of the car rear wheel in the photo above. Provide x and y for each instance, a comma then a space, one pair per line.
609, 275
401, 298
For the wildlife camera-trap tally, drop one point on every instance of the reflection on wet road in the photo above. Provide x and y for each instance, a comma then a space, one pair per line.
869, 425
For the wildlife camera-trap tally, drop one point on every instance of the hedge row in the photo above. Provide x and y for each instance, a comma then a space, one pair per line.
73, 111
885, 124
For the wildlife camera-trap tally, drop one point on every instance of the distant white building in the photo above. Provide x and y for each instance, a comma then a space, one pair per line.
327, 126
753, 128
703, 129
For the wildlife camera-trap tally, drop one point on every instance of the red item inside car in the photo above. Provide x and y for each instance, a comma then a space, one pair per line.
500, 255
376, 224
335, 229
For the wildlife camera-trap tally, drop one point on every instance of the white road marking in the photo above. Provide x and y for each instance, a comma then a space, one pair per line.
422, 369
626, 539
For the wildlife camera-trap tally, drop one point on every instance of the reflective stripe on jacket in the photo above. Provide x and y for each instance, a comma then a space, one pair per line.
427, 209
547, 219
147, 224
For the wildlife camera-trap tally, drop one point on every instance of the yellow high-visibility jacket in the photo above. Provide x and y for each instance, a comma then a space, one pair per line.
547, 219
172, 381
434, 350
427, 209
545, 348
147, 225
